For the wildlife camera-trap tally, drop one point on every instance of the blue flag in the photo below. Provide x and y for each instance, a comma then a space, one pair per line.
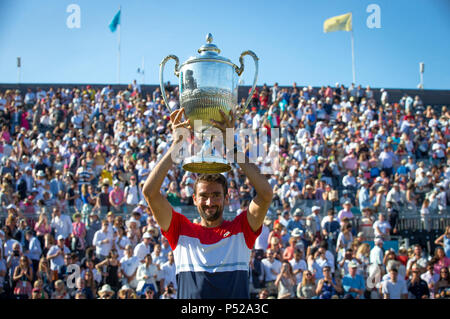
115, 22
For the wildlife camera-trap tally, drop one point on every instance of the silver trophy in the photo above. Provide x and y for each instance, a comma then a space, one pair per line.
208, 83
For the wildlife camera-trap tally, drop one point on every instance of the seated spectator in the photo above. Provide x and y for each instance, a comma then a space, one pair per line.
146, 276
353, 283
327, 287
106, 292
417, 287
382, 227
442, 286
394, 288
307, 288
286, 282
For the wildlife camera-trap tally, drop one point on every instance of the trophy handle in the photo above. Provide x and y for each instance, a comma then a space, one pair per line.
240, 70
161, 76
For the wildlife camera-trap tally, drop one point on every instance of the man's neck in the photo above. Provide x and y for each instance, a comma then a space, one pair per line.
211, 224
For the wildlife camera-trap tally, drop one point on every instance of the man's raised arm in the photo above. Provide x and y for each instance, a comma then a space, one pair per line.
160, 206
260, 204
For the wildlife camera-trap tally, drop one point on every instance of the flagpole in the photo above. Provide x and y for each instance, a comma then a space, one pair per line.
353, 58
118, 48
143, 70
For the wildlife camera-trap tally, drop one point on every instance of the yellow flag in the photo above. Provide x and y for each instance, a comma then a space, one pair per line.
338, 23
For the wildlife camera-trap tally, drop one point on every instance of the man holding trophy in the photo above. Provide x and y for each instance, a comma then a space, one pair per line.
211, 258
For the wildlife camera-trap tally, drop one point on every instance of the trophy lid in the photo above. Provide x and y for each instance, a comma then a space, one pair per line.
208, 51
209, 46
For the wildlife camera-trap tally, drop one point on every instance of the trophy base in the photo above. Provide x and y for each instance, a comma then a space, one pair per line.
206, 165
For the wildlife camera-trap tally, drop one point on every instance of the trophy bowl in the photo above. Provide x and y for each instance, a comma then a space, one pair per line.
208, 84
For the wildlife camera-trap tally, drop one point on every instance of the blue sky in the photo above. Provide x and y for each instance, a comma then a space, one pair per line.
287, 35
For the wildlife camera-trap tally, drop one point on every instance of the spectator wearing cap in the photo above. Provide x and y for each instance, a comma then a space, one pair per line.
143, 248
106, 292
295, 221
56, 255
346, 211
103, 241
353, 283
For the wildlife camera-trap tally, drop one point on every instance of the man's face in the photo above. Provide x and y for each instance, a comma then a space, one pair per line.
270, 255
417, 251
129, 250
210, 200
394, 275
352, 271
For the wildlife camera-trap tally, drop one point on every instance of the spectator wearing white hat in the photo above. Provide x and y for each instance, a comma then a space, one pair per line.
295, 221
353, 283
144, 247
106, 292
346, 212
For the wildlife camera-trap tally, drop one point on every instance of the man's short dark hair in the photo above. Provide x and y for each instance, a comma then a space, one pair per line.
216, 178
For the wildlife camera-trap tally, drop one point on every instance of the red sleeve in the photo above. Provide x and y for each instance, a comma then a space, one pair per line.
249, 235
173, 233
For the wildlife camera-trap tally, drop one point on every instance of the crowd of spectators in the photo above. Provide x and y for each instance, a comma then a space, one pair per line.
73, 162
